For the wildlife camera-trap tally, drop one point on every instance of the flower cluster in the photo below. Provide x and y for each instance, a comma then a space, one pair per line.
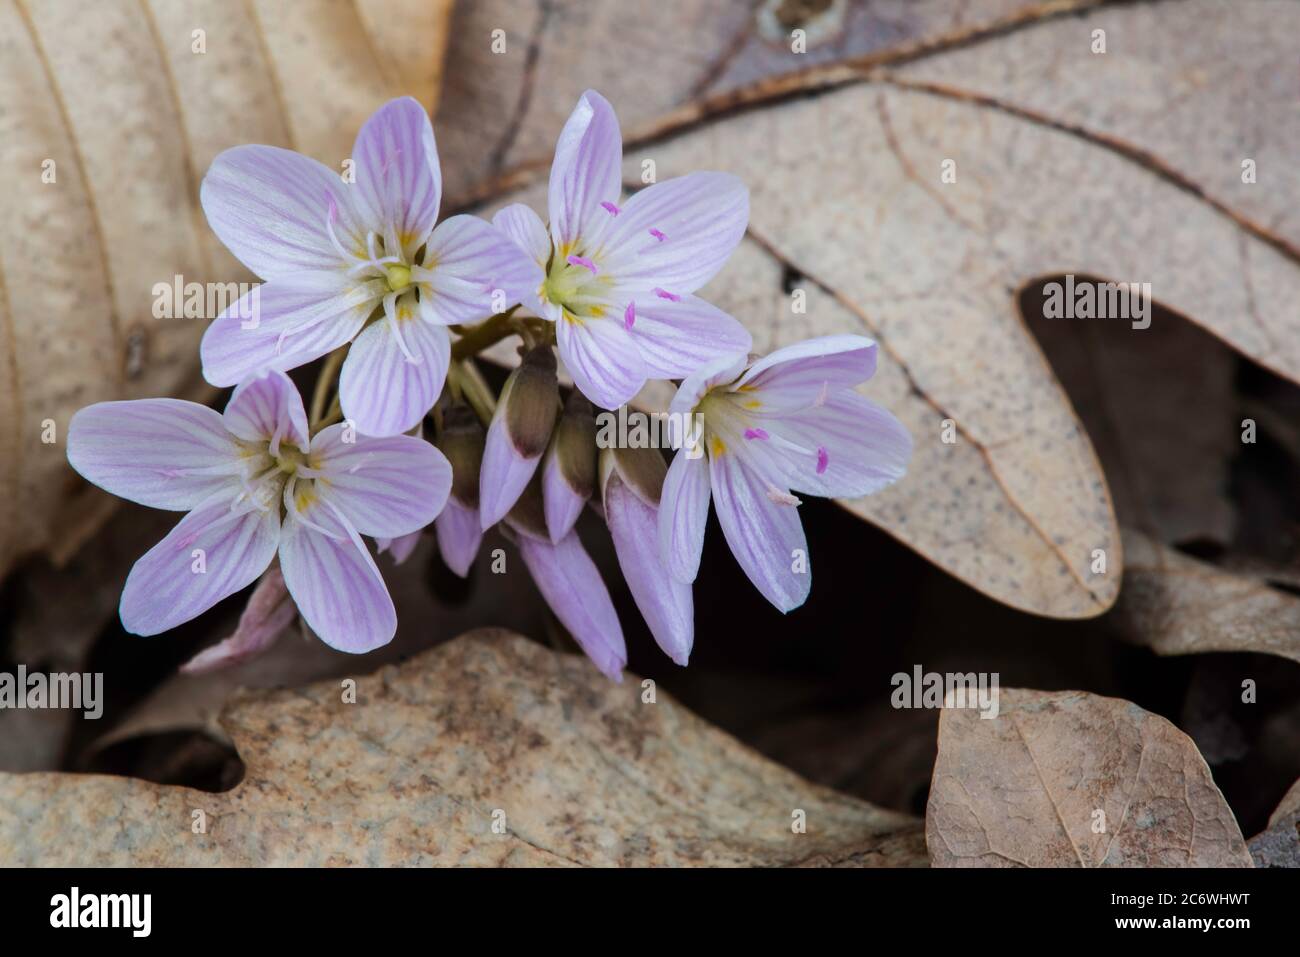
358, 270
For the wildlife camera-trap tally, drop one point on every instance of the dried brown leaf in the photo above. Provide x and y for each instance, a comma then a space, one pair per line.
1071, 779
579, 771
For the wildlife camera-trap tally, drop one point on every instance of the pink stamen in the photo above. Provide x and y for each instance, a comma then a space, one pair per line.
584, 262
658, 235
610, 208
823, 459
756, 434
665, 294
629, 315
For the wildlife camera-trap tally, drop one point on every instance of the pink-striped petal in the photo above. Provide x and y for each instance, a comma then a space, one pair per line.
473, 270
334, 581
701, 218
527, 231
718, 372
164, 453
268, 408
855, 447
459, 536
504, 474
569, 581
269, 612
398, 180
683, 515
561, 505
384, 487
801, 374
585, 171
765, 536
665, 603
381, 389
400, 547
269, 206
603, 359
213, 552
676, 338
284, 324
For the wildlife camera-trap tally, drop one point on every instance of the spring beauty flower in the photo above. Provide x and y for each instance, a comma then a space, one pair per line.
617, 278
789, 422
255, 485
358, 262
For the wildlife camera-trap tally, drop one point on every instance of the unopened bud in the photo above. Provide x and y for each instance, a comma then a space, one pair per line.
641, 469
461, 440
530, 402
569, 472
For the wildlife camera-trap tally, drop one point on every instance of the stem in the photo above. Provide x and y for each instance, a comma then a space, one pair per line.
329, 375
474, 388
485, 334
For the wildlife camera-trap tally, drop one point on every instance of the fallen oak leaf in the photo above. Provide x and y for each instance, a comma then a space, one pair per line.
1176, 605
1071, 779
488, 750
496, 123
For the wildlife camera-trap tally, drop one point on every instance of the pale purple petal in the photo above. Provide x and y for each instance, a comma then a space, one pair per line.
720, 371
560, 503
398, 181
855, 447
473, 271
677, 338
270, 206
269, 612
284, 324
700, 219
683, 515
569, 581
766, 537
384, 392
799, 375
459, 536
335, 583
665, 603
400, 547
164, 453
384, 487
585, 171
525, 228
212, 553
268, 408
603, 359
504, 474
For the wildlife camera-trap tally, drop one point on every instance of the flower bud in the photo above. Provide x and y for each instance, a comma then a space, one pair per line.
569, 472
641, 469
461, 440
519, 434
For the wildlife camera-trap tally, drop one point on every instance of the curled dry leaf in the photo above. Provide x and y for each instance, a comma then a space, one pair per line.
1071, 779
1176, 605
123, 132
490, 728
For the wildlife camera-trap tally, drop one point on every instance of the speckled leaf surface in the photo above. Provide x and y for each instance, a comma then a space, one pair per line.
488, 729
